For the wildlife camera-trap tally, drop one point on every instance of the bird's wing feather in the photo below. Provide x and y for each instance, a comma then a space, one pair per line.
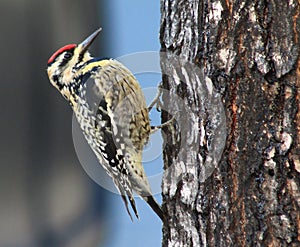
96, 125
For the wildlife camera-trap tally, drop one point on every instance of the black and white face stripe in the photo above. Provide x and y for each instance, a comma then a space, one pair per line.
67, 56
57, 54
60, 67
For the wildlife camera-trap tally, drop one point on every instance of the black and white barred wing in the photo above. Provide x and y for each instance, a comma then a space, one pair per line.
96, 123
129, 118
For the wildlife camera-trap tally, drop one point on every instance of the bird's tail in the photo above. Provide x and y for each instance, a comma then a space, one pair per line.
154, 205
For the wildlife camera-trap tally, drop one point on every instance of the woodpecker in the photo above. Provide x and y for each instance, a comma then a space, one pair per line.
111, 110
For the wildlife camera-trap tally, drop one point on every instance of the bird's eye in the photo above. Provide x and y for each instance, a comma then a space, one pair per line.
67, 55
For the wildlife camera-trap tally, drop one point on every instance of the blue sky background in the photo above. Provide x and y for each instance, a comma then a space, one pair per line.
134, 28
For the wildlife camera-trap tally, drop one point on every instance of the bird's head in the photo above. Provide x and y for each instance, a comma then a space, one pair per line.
63, 65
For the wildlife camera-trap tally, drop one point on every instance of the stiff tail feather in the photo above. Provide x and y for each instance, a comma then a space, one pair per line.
156, 208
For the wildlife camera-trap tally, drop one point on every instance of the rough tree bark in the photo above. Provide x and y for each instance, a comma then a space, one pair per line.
232, 166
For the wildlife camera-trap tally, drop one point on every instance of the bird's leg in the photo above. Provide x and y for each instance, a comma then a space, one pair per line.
158, 103
156, 100
168, 123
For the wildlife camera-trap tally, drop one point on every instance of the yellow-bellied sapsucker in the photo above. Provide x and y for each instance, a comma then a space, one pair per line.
111, 110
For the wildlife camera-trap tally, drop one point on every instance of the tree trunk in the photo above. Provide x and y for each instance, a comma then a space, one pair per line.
231, 78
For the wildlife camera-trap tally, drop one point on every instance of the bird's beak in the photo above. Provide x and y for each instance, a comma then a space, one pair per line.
89, 40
